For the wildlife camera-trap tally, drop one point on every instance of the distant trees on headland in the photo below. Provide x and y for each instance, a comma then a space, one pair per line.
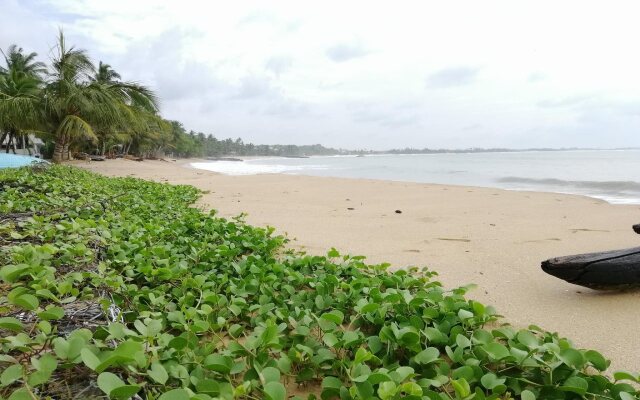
198, 144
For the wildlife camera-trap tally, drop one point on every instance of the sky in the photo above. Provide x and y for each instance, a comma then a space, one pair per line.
366, 75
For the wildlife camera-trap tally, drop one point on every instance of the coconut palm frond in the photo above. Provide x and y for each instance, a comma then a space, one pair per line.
20, 104
16, 84
136, 95
16, 60
20, 112
73, 126
133, 119
70, 64
105, 74
121, 136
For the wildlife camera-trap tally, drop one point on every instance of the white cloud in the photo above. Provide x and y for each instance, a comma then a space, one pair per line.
352, 74
346, 51
454, 76
278, 64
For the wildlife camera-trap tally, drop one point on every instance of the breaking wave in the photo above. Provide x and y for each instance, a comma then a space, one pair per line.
617, 186
244, 168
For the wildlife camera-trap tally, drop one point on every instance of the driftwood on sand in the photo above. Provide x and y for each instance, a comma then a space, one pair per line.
616, 269
89, 157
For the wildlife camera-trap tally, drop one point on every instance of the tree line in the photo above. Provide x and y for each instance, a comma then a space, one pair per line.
75, 106
198, 144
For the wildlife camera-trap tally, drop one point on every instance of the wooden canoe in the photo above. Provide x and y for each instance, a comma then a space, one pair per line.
608, 270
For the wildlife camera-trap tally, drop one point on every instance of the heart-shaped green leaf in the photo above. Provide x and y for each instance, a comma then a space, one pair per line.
51, 313
10, 323
175, 394
218, 363
115, 387
158, 373
426, 356
11, 374
275, 391
26, 301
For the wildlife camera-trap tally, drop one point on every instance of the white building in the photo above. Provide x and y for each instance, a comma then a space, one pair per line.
31, 146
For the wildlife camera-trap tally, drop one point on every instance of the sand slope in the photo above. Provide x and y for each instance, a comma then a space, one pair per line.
490, 237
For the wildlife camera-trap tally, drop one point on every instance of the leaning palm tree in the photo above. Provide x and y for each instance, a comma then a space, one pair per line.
20, 94
15, 59
138, 106
75, 103
105, 74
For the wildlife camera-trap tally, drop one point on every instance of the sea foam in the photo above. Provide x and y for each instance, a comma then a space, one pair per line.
246, 168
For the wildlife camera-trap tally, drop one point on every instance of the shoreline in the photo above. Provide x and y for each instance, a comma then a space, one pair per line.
452, 185
186, 163
494, 238
620, 190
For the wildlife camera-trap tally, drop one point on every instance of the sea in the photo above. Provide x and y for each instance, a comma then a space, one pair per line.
610, 175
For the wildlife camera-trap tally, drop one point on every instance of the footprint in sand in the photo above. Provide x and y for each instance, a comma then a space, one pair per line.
576, 230
411, 251
455, 239
542, 240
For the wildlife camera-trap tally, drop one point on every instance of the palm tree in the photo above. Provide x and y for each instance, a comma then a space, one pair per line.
76, 101
73, 101
16, 60
20, 88
136, 103
105, 74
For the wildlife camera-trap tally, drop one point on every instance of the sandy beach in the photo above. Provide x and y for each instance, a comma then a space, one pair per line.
490, 237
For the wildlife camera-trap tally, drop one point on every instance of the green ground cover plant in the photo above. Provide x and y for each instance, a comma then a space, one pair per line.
119, 288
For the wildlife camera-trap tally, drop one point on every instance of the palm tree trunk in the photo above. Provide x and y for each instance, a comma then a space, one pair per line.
58, 150
2, 138
67, 151
10, 143
25, 142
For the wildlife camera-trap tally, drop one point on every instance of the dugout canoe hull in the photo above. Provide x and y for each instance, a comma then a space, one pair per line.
616, 269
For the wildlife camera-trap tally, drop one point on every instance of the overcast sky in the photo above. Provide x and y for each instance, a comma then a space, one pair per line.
362, 75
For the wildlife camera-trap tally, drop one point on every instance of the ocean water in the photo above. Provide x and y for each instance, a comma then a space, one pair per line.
611, 175
16, 160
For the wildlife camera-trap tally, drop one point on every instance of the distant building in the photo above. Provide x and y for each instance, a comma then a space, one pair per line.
30, 145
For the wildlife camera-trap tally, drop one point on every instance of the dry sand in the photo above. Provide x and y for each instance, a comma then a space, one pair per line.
491, 237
